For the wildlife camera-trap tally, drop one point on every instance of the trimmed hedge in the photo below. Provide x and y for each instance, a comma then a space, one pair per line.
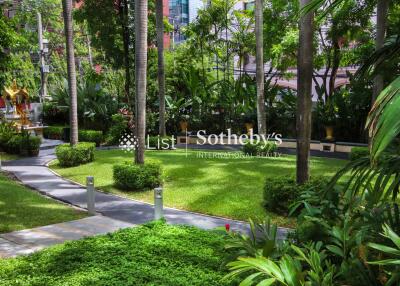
53, 132
81, 153
261, 148
281, 192
358, 152
151, 254
91, 136
132, 177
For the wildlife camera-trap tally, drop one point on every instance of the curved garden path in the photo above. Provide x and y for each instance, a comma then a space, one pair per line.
123, 212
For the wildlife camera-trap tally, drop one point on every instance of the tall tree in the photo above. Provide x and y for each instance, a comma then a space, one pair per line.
161, 70
261, 116
381, 23
73, 110
140, 76
304, 86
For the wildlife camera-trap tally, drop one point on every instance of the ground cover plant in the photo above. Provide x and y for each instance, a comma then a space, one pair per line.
21, 208
225, 187
152, 254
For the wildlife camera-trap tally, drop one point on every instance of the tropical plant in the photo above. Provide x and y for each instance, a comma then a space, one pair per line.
141, 76
68, 28
391, 264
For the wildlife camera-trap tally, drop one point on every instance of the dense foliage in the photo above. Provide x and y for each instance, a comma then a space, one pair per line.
132, 177
152, 254
280, 193
81, 153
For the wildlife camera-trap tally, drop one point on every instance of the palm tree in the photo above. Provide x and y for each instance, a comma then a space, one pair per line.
140, 77
381, 20
161, 71
304, 85
261, 116
73, 108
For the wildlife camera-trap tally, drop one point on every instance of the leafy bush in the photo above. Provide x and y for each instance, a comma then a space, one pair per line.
358, 152
117, 129
160, 143
250, 149
133, 177
281, 192
6, 132
30, 145
13, 145
260, 148
81, 153
91, 136
151, 254
53, 132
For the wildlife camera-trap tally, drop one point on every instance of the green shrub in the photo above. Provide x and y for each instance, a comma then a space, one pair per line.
53, 132
260, 148
6, 132
151, 254
91, 136
14, 144
132, 177
250, 149
160, 143
267, 147
81, 153
29, 145
118, 128
281, 192
358, 152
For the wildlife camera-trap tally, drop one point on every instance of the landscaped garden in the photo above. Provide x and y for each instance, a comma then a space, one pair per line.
22, 208
231, 188
316, 79
155, 254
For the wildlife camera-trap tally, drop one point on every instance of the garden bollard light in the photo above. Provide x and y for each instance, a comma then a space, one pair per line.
90, 195
158, 203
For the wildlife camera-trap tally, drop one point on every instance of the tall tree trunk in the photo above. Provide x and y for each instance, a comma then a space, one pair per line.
124, 15
140, 76
261, 116
381, 22
161, 69
304, 95
73, 108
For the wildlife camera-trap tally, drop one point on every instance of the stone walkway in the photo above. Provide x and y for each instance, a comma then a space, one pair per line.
29, 240
34, 173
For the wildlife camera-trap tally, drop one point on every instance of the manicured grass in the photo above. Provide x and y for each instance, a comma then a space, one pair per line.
8, 157
21, 208
153, 254
223, 187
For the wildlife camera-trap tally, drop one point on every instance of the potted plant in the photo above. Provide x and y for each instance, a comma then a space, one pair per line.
249, 120
327, 116
34, 145
183, 122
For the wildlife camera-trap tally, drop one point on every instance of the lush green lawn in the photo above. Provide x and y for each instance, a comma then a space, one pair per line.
21, 208
224, 187
154, 254
7, 157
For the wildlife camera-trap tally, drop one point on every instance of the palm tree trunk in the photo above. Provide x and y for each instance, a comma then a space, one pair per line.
124, 17
261, 116
73, 109
161, 69
381, 22
140, 76
304, 95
